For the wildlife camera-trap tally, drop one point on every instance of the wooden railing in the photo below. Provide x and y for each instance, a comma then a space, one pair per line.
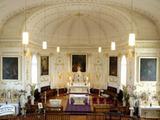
68, 116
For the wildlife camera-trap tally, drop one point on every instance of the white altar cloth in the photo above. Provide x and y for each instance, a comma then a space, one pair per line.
78, 89
149, 111
78, 98
13, 104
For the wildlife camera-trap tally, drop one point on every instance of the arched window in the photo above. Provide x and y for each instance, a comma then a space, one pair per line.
34, 69
123, 70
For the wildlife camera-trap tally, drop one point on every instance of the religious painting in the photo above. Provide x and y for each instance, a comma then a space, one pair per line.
10, 68
148, 69
78, 61
44, 65
113, 66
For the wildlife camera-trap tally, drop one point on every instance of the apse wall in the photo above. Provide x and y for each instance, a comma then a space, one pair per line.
60, 68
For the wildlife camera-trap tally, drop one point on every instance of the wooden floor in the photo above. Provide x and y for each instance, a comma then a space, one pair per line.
84, 116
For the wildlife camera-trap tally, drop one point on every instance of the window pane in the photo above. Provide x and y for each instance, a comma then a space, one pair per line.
34, 69
123, 71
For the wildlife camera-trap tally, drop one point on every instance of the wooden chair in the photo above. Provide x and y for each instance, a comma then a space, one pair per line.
95, 100
101, 108
101, 100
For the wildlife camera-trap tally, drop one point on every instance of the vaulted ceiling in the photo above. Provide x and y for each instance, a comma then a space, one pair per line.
76, 23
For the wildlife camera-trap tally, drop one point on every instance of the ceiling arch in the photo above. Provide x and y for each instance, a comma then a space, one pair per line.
92, 22
114, 19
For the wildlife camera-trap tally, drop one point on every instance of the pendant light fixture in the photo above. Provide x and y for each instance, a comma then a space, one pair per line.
113, 45
99, 49
131, 40
44, 43
25, 34
25, 38
58, 49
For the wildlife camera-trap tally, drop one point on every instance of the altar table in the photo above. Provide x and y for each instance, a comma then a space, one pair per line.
149, 111
78, 99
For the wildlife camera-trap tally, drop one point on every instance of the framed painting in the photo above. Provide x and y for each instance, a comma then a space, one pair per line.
79, 61
44, 65
148, 69
113, 65
10, 68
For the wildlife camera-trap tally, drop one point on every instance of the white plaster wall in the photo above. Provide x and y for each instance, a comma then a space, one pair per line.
145, 86
97, 66
10, 52
59, 68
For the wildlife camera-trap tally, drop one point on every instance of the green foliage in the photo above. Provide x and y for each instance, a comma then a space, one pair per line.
126, 95
32, 89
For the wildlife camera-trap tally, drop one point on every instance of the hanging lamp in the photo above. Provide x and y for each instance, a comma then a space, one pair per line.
99, 49
44, 43
131, 40
25, 34
113, 45
58, 49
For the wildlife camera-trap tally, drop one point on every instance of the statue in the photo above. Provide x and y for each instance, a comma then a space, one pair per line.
78, 77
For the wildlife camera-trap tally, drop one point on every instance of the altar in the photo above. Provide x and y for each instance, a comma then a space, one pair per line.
79, 88
79, 93
149, 111
79, 99
11, 108
78, 83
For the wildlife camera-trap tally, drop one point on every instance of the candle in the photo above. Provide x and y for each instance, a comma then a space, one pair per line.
87, 78
70, 78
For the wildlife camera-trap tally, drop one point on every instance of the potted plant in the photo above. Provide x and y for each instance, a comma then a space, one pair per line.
31, 96
125, 96
32, 89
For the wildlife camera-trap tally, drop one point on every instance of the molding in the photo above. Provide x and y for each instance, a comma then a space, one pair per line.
148, 41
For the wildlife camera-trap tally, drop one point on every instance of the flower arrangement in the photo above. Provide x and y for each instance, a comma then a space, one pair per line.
144, 96
32, 87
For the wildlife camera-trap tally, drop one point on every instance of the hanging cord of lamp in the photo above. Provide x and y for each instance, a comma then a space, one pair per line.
100, 48
58, 47
132, 34
44, 43
25, 34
